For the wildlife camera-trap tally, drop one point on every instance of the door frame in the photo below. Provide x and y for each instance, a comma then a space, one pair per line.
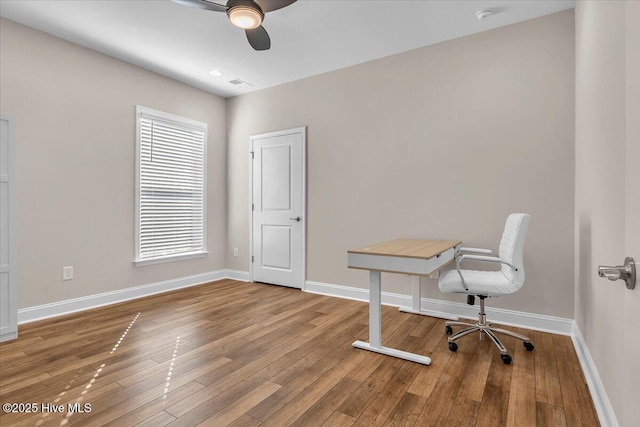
302, 130
13, 253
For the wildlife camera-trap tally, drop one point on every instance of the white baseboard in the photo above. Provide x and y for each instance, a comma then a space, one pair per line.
243, 276
599, 395
538, 322
59, 308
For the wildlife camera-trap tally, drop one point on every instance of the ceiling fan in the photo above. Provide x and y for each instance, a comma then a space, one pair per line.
245, 14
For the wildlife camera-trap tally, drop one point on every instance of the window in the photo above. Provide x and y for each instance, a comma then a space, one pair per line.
170, 187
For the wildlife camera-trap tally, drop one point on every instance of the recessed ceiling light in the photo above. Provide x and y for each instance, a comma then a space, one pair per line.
215, 73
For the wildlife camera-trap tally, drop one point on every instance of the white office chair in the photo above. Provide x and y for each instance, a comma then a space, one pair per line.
484, 284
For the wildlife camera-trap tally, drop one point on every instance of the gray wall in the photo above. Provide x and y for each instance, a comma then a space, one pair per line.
75, 148
440, 142
607, 126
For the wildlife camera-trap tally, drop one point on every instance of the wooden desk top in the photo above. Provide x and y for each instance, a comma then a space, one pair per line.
408, 248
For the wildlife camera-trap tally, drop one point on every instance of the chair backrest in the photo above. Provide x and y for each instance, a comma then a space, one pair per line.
512, 246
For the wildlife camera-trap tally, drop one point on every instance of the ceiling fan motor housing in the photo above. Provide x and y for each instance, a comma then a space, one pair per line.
249, 3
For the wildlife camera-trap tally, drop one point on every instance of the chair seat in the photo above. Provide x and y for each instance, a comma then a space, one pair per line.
489, 283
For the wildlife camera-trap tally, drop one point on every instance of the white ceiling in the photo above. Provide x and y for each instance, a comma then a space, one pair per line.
307, 38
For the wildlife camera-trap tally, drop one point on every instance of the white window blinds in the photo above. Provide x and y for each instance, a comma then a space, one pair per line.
171, 186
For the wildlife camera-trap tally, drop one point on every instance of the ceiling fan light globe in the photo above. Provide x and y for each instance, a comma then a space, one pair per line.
245, 17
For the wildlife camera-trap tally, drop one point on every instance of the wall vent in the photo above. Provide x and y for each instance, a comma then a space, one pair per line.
238, 82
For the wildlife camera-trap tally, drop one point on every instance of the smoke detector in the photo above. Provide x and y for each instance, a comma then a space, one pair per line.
484, 14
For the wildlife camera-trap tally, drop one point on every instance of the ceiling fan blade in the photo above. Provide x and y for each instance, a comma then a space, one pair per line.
258, 38
203, 4
270, 5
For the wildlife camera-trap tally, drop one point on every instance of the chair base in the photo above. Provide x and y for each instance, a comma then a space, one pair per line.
485, 328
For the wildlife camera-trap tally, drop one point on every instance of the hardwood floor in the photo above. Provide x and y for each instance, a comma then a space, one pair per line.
246, 354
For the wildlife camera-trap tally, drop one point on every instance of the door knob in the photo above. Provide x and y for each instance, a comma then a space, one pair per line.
296, 219
626, 272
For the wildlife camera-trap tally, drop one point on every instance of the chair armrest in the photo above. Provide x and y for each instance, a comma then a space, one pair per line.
484, 259
476, 250
461, 252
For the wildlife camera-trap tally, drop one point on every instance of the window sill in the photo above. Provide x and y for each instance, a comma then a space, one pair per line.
170, 258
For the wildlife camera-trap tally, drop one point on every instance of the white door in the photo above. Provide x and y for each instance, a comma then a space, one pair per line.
615, 222
8, 281
278, 207
631, 347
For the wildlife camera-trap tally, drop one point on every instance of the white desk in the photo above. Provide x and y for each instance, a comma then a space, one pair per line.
404, 256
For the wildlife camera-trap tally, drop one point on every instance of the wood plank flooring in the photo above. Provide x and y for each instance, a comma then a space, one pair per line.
247, 354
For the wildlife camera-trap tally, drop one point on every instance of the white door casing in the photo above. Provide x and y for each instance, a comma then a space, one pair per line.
278, 215
8, 264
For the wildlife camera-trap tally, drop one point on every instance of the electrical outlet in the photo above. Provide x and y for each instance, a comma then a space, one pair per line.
235, 251
67, 273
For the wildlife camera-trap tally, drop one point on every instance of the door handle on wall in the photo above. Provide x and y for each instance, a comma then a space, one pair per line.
626, 272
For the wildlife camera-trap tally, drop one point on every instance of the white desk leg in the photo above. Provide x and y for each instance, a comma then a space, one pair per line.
416, 298
375, 308
416, 294
375, 326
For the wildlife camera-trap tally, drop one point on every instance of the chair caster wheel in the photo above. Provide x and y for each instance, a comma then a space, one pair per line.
506, 359
528, 346
448, 330
453, 346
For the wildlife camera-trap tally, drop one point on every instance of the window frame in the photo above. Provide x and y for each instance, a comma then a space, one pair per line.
184, 123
